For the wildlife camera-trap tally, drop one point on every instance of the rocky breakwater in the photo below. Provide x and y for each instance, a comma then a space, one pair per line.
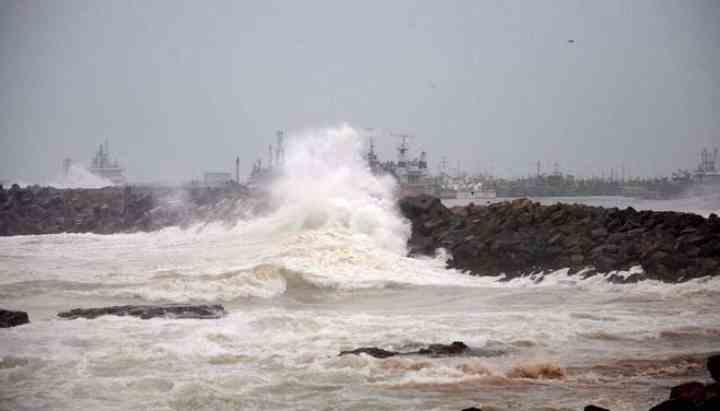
522, 237
46, 210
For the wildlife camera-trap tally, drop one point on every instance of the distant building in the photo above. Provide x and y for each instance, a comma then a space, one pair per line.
217, 179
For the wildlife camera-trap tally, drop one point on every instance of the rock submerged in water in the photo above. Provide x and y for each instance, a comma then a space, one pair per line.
371, 351
175, 311
432, 350
522, 237
10, 318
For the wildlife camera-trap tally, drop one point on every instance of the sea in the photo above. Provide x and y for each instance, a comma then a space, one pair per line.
325, 269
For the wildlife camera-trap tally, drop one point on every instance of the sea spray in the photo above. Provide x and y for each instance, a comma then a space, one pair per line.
78, 176
324, 182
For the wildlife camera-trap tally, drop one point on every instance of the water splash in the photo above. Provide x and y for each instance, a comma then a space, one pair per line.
79, 177
324, 183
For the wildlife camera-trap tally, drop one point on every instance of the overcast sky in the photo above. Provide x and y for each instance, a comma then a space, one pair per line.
181, 88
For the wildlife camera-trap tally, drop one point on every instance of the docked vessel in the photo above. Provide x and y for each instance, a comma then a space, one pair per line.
103, 166
411, 174
707, 173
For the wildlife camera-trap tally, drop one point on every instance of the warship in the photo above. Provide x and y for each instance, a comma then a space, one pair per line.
103, 166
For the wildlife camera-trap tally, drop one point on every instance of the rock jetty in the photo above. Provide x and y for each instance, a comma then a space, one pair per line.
523, 237
46, 210
201, 312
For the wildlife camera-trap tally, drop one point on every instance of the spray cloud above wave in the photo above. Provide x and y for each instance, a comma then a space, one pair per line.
79, 177
324, 182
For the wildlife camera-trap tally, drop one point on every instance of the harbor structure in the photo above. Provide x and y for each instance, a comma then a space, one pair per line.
707, 171
263, 173
411, 173
103, 166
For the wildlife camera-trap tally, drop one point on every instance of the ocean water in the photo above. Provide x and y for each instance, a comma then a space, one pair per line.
326, 271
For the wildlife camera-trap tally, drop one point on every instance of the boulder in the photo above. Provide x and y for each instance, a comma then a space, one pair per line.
711, 404
432, 350
691, 391
13, 318
145, 312
713, 365
371, 351
436, 350
674, 405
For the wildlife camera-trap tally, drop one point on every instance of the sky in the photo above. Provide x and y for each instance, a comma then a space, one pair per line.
183, 87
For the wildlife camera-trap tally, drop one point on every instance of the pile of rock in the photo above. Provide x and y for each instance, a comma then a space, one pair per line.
46, 210
523, 237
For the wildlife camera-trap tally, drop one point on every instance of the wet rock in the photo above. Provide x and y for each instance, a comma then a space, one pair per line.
432, 350
456, 348
711, 404
691, 391
371, 351
674, 405
713, 365
521, 237
13, 318
34, 210
712, 390
149, 311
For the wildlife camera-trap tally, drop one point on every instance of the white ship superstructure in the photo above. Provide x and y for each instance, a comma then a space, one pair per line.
103, 166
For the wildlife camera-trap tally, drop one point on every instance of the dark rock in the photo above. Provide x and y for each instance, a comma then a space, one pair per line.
712, 390
594, 408
456, 348
34, 210
521, 237
13, 318
675, 405
713, 365
472, 409
691, 391
433, 350
149, 311
711, 404
371, 351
